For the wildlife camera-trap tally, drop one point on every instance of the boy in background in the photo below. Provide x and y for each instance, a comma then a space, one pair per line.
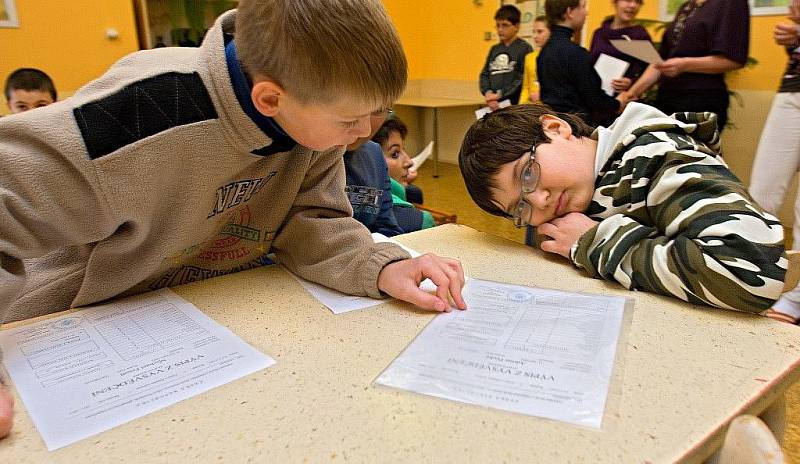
501, 76
180, 164
391, 137
29, 88
647, 202
567, 78
368, 183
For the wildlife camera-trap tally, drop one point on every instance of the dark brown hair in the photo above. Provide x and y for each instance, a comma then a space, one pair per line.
30, 79
508, 12
556, 10
499, 138
393, 124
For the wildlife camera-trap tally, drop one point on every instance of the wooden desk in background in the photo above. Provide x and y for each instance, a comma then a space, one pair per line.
685, 373
422, 103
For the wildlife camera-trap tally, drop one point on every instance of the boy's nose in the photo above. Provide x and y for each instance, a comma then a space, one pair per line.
537, 199
363, 129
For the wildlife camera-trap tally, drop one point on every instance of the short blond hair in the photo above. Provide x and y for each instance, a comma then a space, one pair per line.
323, 51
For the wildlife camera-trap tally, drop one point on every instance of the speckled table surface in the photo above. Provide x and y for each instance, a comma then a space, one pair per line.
684, 373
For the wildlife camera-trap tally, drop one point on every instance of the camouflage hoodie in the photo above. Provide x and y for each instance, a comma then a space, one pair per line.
675, 220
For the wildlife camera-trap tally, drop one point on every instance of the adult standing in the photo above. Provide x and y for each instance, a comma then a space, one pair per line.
778, 154
707, 39
621, 26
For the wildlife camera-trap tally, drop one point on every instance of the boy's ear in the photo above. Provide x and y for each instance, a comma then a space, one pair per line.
266, 96
554, 126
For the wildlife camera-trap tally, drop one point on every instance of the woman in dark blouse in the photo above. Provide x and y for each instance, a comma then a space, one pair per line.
619, 26
707, 39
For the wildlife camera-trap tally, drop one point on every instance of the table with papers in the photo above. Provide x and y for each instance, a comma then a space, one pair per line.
682, 373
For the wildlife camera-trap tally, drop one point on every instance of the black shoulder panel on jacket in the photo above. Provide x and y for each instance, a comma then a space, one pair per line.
142, 109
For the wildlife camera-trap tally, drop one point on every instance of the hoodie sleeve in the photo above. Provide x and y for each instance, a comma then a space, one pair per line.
688, 228
321, 242
50, 196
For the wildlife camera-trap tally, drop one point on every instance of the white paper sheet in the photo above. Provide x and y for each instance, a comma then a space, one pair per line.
339, 302
609, 68
91, 370
479, 113
422, 156
642, 49
527, 350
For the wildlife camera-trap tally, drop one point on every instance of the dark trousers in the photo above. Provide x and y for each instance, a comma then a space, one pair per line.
695, 101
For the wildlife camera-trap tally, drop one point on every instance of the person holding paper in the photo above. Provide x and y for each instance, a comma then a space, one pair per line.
501, 76
567, 80
778, 154
707, 39
647, 202
621, 26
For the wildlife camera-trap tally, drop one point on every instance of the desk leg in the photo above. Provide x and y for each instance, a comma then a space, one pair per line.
775, 417
435, 142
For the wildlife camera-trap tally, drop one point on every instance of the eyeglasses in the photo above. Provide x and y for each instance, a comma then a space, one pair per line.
529, 179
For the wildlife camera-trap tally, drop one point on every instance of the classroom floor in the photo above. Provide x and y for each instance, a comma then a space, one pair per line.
448, 193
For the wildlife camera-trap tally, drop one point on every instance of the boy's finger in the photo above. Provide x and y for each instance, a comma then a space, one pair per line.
425, 300
456, 279
6, 411
548, 229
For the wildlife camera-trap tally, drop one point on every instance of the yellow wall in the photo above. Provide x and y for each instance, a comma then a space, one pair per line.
67, 40
444, 39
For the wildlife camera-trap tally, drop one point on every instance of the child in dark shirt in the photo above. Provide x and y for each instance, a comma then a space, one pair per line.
501, 76
567, 79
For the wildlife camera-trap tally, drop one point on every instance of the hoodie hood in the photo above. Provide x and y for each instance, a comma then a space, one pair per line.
639, 119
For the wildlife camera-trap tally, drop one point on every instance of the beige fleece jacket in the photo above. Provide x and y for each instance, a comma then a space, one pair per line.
145, 179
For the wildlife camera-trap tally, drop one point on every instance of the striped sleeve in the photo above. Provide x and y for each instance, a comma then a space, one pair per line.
688, 229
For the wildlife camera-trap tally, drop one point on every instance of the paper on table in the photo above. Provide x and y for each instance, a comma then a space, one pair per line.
479, 113
642, 49
610, 68
527, 350
422, 156
339, 302
94, 369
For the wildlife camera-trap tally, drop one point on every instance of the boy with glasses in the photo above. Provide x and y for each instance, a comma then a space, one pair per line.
501, 76
647, 202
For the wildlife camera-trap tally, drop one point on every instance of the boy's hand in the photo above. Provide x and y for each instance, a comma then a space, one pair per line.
401, 280
6, 411
564, 232
490, 96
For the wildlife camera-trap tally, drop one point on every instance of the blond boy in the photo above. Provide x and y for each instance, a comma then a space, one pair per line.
181, 164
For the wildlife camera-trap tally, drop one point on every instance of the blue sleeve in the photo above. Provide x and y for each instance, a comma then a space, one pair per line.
386, 223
